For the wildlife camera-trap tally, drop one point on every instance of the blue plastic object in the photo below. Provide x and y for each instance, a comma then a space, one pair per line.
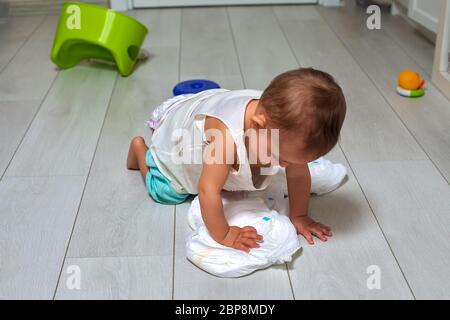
194, 86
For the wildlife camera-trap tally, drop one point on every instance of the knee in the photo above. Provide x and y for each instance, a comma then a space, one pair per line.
137, 142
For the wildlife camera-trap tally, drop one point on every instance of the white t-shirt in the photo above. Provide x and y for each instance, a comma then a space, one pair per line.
179, 140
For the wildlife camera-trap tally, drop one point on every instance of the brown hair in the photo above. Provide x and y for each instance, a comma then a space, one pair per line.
308, 102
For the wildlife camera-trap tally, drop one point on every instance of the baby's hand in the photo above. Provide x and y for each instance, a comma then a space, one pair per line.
242, 238
307, 227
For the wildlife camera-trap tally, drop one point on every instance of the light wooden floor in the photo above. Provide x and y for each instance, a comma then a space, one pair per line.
66, 198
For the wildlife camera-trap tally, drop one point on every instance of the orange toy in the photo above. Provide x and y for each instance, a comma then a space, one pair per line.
410, 84
409, 80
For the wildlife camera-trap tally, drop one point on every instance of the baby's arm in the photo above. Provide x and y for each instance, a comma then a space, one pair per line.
211, 182
212, 179
299, 188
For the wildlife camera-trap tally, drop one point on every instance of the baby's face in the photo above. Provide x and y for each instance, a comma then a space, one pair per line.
278, 147
291, 153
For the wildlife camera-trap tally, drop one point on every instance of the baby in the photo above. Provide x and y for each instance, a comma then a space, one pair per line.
233, 140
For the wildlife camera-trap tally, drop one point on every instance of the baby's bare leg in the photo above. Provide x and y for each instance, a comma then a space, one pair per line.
136, 155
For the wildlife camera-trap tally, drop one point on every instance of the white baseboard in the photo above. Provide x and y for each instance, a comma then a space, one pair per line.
330, 3
441, 66
399, 8
123, 5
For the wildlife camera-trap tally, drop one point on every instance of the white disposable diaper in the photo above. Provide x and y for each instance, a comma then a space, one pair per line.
280, 239
325, 175
267, 212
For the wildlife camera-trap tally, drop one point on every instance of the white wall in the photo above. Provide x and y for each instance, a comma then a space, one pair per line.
18, 7
426, 13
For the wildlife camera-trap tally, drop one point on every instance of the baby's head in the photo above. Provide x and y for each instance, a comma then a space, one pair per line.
308, 107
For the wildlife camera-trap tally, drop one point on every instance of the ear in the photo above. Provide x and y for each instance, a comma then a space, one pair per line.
259, 120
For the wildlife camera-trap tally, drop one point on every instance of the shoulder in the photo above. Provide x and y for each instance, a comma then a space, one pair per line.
214, 123
216, 132
215, 126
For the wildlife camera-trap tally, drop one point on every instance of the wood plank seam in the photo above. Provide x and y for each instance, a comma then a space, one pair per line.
245, 86
378, 223
384, 96
299, 65
394, 40
285, 36
290, 281
84, 187
173, 250
29, 125
345, 156
230, 25
180, 41
24, 42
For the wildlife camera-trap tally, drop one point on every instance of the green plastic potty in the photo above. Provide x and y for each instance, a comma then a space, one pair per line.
88, 31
